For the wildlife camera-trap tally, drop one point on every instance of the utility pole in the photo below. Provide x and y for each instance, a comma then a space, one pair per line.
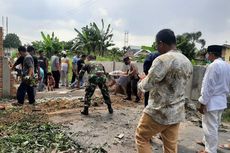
126, 39
7, 25
2, 21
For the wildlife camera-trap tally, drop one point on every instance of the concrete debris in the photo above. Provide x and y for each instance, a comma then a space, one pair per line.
120, 136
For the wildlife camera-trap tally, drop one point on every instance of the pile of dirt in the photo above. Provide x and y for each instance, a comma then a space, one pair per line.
55, 104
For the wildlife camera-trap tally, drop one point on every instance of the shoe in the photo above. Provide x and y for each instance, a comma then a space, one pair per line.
16, 104
85, 111
128, 98
110, 109
137, 100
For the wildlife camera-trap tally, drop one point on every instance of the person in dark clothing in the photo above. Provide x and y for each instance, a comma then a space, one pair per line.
133, 79
80, 64
146, 66
55, 68
31, 51
20, 60
74, 67
27, 84
43, 63
17, 62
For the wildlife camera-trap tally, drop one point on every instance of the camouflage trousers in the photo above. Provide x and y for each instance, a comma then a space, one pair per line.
90, 88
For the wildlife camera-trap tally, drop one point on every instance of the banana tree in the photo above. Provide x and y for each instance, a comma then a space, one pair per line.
93, 39
49, 44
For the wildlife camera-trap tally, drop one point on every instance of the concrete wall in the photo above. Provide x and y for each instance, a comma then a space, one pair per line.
1, 62
195, 82
198, 74
6, 78
110, 66
227, 55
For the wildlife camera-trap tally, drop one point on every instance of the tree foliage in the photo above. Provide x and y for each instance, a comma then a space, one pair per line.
187, 43
148, 48
49, 44
116, 54
11, 41
91, 39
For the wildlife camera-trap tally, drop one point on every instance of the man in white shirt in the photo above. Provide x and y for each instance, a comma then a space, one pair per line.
213, 100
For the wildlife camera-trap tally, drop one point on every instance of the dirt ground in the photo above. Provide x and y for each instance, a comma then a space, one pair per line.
111, 132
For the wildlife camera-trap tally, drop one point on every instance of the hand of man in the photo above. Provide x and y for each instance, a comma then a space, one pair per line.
78, 85
142, 76
202, 109
12, 68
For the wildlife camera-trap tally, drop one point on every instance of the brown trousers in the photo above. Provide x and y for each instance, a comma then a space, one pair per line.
147, 128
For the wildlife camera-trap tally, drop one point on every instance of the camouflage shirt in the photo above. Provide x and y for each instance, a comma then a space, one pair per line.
166, 81
96, 72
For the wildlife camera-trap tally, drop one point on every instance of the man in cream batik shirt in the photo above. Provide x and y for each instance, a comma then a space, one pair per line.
166, 81
213, 100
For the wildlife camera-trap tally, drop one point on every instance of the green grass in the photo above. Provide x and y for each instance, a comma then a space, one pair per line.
226, 115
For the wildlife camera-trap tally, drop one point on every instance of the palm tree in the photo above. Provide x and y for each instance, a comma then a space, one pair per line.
93, 39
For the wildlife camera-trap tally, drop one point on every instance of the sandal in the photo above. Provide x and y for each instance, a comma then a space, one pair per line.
200, 143
225, 146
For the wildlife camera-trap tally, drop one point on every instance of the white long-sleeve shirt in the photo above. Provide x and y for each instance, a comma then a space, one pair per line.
216, 85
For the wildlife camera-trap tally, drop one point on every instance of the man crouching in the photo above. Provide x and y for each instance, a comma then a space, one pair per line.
97, 77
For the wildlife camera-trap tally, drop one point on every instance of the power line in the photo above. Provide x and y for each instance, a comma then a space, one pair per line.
68, 12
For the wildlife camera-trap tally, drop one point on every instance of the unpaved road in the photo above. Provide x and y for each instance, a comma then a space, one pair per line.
100, 129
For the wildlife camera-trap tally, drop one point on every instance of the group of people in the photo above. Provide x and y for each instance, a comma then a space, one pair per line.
167, 74
166, 82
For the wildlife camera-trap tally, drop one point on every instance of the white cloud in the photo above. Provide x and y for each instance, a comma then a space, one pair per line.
103, 12
143, 19
133, 40
119, 23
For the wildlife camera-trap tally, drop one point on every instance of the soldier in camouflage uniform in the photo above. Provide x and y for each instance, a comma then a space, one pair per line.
97, 77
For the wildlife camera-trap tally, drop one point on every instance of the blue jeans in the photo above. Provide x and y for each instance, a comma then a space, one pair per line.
21, 92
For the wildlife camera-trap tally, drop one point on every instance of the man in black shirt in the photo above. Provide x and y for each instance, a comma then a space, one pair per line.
43, 63
28, 74
146, 66
31, 51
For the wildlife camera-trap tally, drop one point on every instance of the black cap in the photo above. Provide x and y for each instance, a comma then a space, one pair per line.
126, 58
214, 49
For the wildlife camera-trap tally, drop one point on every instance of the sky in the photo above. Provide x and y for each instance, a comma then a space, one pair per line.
142, 19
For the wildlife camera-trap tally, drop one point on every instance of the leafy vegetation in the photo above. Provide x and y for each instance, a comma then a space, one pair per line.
49, 44
91, 39
31, 133
226, 115
187, 43
11, 41
148, 48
